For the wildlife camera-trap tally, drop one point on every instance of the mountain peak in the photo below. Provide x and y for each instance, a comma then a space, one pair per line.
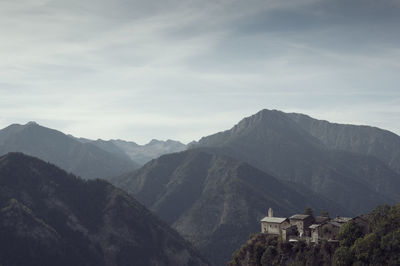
154, 141
32, 123
266, 114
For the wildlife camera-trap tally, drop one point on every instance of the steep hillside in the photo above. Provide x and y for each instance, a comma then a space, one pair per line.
276, 144
83, 159
366, 140
48, 217
375, 242
214, 201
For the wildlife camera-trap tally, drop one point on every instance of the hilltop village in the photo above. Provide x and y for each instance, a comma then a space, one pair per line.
306, 227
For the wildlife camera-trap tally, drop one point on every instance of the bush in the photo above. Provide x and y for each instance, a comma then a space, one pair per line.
342, 257
349, 233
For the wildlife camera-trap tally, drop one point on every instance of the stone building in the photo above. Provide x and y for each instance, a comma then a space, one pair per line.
326, 231
303, 222
273, 225
306, 227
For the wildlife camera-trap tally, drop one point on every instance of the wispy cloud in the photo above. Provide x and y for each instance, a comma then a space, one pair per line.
182, 69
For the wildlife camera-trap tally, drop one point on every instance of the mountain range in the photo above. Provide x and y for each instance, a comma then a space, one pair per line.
141, 154
277, 143
83, 157
215, 193
49, 217
215, 201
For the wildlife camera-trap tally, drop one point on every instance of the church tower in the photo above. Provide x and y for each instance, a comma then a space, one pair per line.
270, 212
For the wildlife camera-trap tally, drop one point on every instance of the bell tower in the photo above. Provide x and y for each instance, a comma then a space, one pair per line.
270, 212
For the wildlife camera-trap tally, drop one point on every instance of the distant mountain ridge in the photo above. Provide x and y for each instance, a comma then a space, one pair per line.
83, 159
140, 154
155, 148
81, 156
48, 217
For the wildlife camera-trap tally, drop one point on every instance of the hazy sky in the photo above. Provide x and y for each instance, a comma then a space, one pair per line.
138, 70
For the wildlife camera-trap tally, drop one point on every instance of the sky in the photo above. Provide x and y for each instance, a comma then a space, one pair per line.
183, 69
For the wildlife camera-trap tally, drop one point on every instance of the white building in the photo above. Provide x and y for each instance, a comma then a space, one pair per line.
273, 225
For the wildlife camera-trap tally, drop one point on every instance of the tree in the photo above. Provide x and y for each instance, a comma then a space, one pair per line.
268, 256
325, 213
390, 245
309, 211
342, 257
349, 233
365, 249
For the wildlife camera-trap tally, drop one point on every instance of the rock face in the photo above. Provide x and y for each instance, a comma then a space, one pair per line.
366, 140
276, 143
215, 201
83, 159
48, 217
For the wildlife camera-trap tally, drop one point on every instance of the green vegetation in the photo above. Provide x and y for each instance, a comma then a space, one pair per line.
263, 250
373, 239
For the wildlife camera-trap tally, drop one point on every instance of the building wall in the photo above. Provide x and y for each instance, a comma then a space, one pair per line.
329, 232
315, 235
270, 228
302, 225
283, 225
299, 224
289, 231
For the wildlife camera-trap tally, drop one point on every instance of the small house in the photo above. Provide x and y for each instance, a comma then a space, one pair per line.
303, 222
273, 225
326, 231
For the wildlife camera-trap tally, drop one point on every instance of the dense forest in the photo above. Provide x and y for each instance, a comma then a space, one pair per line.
375, 243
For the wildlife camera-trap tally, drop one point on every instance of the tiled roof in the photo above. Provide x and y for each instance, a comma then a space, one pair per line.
314, 226
341, 219
277, 220
335, 223
321, 219
299, 216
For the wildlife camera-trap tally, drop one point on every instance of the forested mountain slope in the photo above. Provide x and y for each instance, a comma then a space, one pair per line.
48, 217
